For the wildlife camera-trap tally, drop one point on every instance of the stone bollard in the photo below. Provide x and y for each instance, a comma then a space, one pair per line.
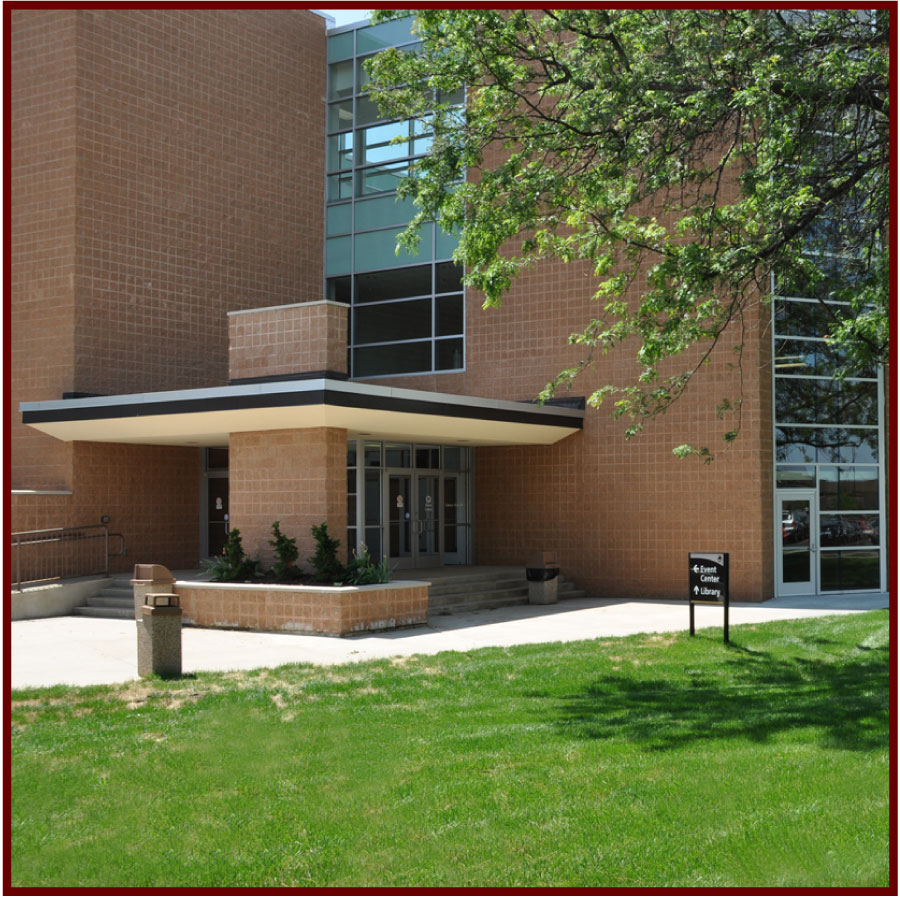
159, 636
542, 574
149, 579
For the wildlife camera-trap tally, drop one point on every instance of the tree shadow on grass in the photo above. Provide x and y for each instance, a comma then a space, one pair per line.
755, 696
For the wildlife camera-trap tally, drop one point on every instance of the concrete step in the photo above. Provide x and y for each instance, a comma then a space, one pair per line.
104, 612
450, 588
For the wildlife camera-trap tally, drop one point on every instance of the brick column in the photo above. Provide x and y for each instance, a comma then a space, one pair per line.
300, 339
297, 477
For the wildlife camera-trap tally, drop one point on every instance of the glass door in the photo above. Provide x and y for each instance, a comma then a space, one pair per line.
797, 558
428, 546
399, 519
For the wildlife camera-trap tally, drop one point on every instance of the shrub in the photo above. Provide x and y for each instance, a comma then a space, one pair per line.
233, 564
285, 570
362, 569
327, 567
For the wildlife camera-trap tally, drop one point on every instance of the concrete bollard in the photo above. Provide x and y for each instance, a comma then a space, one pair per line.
149, 579
542, 574
159, 636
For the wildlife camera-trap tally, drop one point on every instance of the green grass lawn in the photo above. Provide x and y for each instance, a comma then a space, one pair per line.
652, 760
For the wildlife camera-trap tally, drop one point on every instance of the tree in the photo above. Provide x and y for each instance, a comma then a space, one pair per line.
707, 149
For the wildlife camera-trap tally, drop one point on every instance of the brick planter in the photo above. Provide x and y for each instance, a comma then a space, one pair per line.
309, 609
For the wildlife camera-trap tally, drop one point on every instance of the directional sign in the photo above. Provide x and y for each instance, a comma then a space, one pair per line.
708, 577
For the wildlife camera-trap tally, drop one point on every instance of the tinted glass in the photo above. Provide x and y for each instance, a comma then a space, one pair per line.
340, 80
825, 401
340, 151
377, 37
376, 143
448, 354
807, 319
381, 322
340, 45
447, 278
413, 281
848, 487
338, 289
848, 530
373, 498
449, 314
397, 456
795, 357
381, 178
339, 218
381, 211
848, 570
795, 476
828, 445
340, 115
392, 359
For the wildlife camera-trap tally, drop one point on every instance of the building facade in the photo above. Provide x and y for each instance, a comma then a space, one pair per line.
211, 329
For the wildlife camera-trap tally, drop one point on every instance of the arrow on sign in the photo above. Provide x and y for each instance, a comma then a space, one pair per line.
696, 590
696, 569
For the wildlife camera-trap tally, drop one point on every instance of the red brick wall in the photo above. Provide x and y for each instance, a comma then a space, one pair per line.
167, 167
309, 337
42, 234
297, 477
620, 515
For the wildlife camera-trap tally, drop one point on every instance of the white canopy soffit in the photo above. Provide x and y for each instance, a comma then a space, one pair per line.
207, 416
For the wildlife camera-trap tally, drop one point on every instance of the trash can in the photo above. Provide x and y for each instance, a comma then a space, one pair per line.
542, 575
159, 636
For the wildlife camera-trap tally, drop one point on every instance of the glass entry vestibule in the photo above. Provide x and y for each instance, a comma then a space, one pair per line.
409, 504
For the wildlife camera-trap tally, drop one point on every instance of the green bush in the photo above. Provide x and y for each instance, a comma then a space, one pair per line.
285, 570
327, 567
233, 564
362, 569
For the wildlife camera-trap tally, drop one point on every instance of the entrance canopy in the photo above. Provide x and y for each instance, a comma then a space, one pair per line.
207, 416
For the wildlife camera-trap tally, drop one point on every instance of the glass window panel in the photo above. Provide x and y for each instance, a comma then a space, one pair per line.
340, 115
837, 275
340, 45
447, 278
796, 357
455, 459
351, 480
337, 255
428, 457
382, 178
340, 187
392, 359
806, 319
367, 111
375, 248
397, 456
388, 34
448, 354
795, 476
393, 284
373, 543
848, 530
340, 151
351, 461
339, 218
376, 143
849, 570
340, 80
216, 457
848, 487
825, 401
828, 445
454, 98
422, 144
381, 211
351, 509
372, 457
449, 315
403, 321
351, 538
338, 289
444, 244
373, 495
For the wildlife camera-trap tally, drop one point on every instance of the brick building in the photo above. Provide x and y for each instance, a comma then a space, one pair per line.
210, 329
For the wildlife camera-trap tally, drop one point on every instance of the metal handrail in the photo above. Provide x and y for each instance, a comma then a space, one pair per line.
46, 536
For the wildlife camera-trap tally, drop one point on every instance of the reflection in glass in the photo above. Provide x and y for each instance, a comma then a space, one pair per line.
849, 530
829, 445
849, 570
382, 322
813, 357
397, 456
807, 319
848, 487
795, 476
392, 359
826, 401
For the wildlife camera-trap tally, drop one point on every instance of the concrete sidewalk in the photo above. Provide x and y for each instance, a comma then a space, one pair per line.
75, 650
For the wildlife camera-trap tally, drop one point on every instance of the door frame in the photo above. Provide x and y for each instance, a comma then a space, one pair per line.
787, 589
415, 559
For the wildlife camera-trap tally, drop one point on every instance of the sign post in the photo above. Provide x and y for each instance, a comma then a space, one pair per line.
708, 580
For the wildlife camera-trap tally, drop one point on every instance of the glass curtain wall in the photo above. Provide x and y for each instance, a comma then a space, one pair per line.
407, 311
828, 442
